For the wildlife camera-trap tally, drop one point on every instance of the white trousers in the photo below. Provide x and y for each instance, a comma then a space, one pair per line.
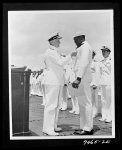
64, 97
95, 102
53, 95
85, 106
106, 102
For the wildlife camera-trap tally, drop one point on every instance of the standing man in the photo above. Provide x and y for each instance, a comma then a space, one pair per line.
105, 83
54, 82
83, 80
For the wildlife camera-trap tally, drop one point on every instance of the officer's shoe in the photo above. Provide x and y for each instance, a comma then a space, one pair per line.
58, 129
83, 132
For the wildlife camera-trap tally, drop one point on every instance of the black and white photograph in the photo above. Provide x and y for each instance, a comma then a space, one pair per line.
61, 74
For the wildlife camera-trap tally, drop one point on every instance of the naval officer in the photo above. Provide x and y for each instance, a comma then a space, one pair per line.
54, 82
105, 83
83, 80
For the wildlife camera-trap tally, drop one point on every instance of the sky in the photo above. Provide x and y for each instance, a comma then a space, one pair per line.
29, 31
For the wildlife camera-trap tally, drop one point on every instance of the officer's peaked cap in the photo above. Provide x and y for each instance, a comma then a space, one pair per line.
105, 48
54, 36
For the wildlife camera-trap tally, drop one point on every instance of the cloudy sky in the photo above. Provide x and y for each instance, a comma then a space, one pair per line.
29, 31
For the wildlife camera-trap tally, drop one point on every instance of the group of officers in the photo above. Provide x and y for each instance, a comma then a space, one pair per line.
83, 77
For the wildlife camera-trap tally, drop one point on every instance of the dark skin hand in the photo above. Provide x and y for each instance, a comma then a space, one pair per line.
76, 83
94, 87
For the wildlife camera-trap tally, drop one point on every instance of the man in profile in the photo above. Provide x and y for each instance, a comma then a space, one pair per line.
54, 82
83, 80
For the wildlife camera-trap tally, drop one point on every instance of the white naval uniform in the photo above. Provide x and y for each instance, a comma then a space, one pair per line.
105, 82
83, 70
53, 81
95, 69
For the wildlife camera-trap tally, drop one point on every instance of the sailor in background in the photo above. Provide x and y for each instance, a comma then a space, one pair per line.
53, 81
72, 77
105, 83
95, 69
82, 82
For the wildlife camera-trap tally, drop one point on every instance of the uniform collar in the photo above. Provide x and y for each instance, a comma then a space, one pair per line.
106, 59
53, 48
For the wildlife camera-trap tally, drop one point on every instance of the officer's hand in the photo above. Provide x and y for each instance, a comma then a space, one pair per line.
73, 54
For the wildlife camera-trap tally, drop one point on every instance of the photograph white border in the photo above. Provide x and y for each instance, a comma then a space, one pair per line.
112, 73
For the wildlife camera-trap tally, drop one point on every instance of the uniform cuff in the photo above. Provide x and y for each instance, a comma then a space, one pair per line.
78, 78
